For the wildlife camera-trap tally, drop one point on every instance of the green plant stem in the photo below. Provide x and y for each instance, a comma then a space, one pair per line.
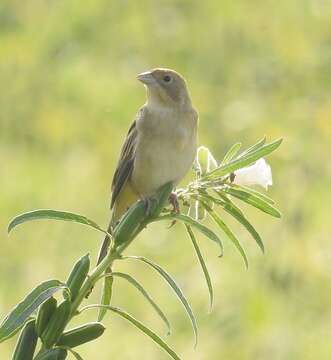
93, 277
113, 254
116, 251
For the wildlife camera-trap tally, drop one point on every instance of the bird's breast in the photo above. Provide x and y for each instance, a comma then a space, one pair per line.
166, 148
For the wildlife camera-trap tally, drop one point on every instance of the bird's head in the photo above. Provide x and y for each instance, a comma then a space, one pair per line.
165, 87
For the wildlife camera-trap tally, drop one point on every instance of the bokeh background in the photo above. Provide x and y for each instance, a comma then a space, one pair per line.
67, 96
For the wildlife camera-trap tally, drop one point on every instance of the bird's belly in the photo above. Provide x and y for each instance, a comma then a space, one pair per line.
159, 161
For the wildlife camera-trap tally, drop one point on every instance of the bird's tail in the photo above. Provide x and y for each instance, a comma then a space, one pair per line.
125, 199
104, 247
118, 211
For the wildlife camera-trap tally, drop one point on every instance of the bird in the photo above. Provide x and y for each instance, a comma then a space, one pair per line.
160, 146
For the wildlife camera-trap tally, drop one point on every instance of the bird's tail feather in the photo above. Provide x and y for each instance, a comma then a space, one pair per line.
125, 199
104, 249
105, 245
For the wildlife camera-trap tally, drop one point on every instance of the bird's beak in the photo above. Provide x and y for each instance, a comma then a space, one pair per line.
146, 78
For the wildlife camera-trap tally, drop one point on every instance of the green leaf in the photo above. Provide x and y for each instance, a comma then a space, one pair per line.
244, 160
228, 232
73, 352
106, 294
189, 221
253, 192
140, 288
47, 214
254, 200
174, 286
236, 212
254, 147
22, 311
162, 199
140, 326
231, 153
53, 354
136, 218
203, 265
26, 343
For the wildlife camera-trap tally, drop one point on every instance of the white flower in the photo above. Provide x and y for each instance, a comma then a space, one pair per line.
256, 174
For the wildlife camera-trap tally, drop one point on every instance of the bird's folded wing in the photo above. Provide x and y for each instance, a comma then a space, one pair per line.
126, 162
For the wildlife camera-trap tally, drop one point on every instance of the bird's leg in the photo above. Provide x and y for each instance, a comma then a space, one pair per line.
148, 201
148, 205
174, 202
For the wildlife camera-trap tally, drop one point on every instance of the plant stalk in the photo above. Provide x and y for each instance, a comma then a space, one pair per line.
116, 250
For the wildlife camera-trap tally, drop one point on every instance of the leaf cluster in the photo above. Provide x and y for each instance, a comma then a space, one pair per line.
210, 195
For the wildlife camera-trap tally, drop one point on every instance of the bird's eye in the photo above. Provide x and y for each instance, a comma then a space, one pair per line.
167, 78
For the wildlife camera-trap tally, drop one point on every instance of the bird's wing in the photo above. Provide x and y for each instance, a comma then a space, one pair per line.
126, 161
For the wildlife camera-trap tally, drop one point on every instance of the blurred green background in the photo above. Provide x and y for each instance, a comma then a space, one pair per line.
68, 95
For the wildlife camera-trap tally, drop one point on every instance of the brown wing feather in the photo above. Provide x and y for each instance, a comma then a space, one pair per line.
121, 176
126, 162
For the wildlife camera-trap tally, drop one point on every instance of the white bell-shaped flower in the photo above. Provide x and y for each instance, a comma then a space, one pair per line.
256, 174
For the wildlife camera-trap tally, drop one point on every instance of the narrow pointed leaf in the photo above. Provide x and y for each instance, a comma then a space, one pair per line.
74, 353
140, 326
197, 225
253, 192
244, 160
236, 212
231, 153
228, 232
140, 288
107, 290
174, 286
20, 314
48, 214
203, 265
254, 147
52, 354
254, 200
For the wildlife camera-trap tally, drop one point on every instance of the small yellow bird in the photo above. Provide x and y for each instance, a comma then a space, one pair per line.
160, 146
